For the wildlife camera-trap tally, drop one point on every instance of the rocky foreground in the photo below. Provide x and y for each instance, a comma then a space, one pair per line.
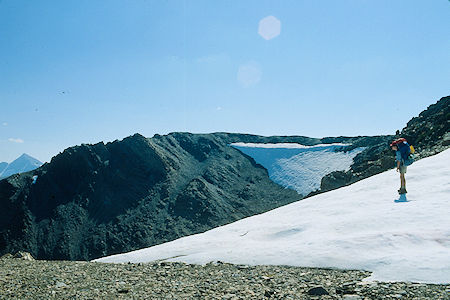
25, 278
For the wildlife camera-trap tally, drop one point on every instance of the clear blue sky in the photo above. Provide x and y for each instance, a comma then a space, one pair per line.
84, 71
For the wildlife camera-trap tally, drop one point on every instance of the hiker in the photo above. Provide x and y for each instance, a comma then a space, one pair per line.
402, 159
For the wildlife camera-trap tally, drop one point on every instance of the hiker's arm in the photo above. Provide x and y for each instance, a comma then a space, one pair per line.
398, 159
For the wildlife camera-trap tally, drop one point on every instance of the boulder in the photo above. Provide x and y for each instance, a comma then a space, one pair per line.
24, 255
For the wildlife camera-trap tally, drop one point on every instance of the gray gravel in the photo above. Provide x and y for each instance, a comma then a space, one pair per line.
22, 278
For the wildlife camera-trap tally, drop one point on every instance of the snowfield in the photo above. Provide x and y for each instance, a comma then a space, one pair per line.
299, 167
362, 226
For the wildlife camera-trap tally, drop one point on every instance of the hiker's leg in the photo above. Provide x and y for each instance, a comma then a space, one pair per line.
402, 180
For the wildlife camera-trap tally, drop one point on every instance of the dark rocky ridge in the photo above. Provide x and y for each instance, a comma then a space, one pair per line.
430, 131
96, 200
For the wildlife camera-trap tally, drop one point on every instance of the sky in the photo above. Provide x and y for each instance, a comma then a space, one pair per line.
86, 71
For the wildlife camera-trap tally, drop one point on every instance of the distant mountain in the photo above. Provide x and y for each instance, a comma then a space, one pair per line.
3, 165
22, 164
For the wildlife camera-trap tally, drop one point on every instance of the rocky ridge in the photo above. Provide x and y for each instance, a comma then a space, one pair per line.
429, 133
28, 279
96, 200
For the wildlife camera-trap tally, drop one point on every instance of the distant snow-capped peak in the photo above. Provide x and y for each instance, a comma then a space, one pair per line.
23, 163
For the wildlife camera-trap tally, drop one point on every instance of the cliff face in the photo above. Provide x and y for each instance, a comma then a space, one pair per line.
96, 200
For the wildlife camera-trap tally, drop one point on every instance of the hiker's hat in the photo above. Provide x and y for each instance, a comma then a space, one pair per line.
398, 141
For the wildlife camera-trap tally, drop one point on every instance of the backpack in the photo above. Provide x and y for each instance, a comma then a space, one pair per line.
406, 152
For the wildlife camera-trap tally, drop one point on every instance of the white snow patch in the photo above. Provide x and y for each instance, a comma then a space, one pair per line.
282, 145
297, 166
355, 227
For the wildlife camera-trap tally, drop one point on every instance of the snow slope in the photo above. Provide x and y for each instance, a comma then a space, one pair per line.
355, 227
299, 167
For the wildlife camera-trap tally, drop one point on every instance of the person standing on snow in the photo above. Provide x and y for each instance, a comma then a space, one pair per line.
402, 151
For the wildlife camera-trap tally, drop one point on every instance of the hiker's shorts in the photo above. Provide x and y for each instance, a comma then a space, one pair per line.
402, 169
